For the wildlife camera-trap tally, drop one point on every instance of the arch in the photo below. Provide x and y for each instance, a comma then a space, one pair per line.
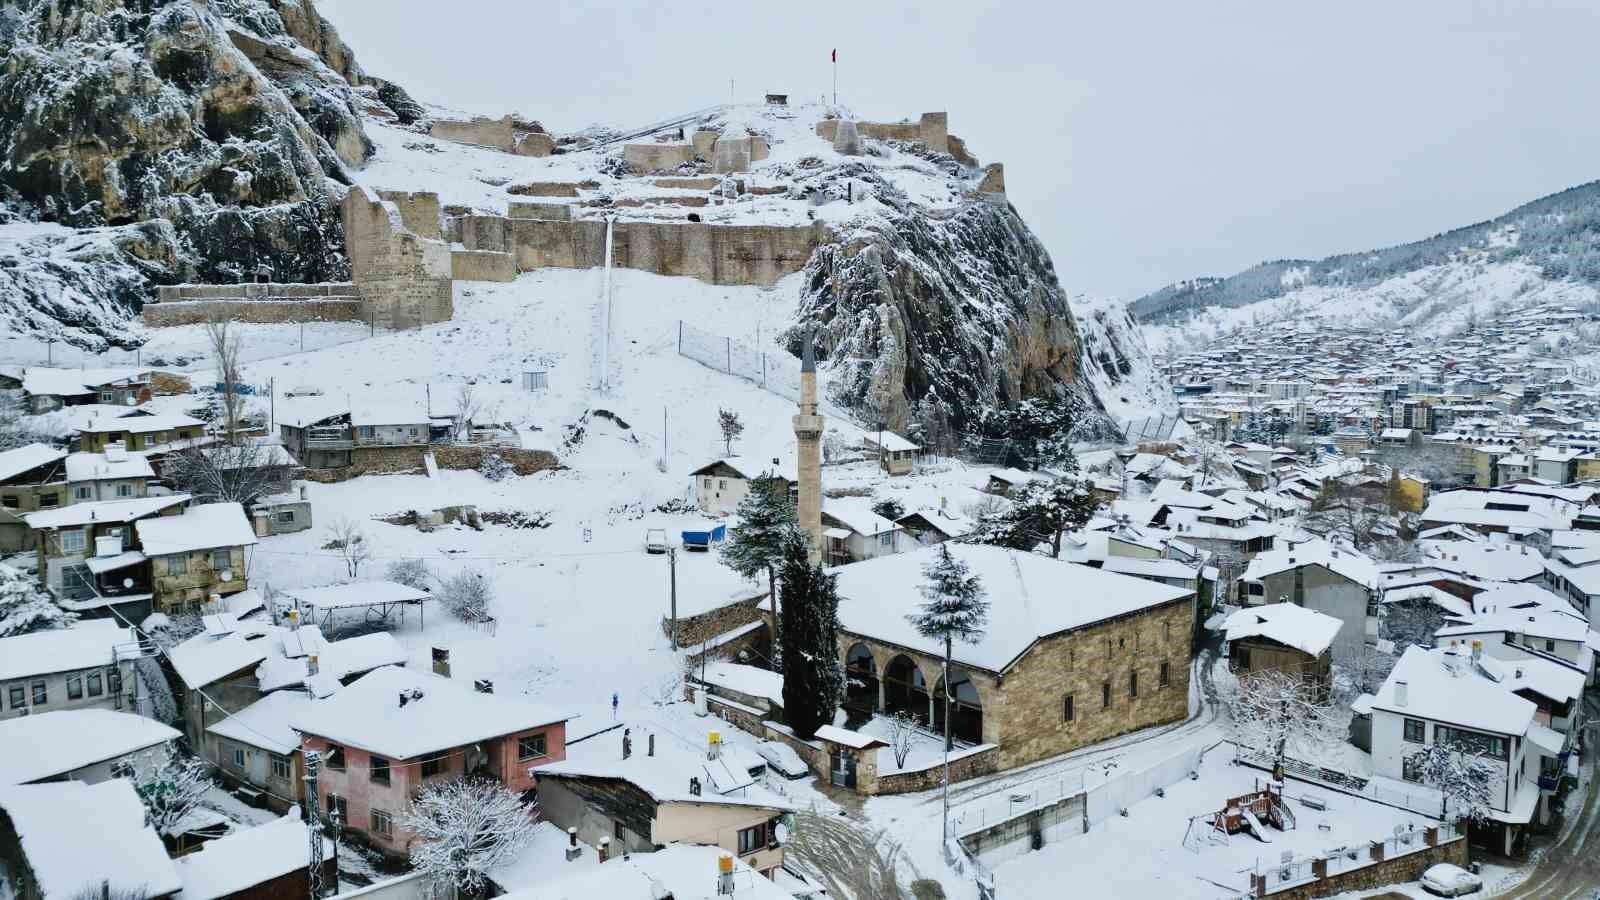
861, 678
904, 688
966, 707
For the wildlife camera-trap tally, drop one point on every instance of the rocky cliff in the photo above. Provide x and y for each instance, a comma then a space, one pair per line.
201, 141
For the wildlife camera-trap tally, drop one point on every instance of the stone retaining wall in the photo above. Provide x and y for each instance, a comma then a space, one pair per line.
984, 762
408, 459
647, 158
716, 254
194, 312
1389, 871
482, 265
932, 129
714, 623
506, 134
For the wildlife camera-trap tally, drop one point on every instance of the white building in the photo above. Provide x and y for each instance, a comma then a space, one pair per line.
87, 666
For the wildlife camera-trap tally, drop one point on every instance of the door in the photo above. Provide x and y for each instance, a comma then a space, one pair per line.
843, 768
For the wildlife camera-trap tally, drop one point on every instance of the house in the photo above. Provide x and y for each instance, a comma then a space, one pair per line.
1406, 438
114, 474
391, 730
1003, 482
1499, 511
88, 745
928, 526
1072, 656
89, 552
141, 430
1352, 439
257, 747
660, 791
197, 555
1558, 636
1317, 575
851, 532
316, 431
719, 486
87, 666
895, 454
678, 871
1447, 696
43, 850
1557, 465
272, 860
1285, 638
48, 389
31, 479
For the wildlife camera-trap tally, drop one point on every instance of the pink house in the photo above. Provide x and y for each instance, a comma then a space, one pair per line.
387, 733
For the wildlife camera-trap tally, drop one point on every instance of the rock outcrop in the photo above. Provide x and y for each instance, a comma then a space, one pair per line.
225, 127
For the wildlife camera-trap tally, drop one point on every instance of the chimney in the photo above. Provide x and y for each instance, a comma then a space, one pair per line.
294, 620
1401, 695
311, 665
441, 661
483, 686
713, 744
1477, 650
403, 699
604, 849
725, 875
694, 786
650, 744
573, 850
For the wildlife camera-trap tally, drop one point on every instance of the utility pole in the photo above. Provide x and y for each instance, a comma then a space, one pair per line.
49, 351
312, 760
672, 569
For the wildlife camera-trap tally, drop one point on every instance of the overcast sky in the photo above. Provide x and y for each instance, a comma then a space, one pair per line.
1144, 142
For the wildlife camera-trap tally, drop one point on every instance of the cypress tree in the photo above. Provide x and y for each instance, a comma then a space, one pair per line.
812, 678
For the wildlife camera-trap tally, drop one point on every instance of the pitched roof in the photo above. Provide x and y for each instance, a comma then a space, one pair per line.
46, 745
1030, 597
1345, 562
102, 511
1294, 626
101, 467
266, 722
203, 527
1444, 686
246, 858
85, 645
31, 456
367, 714
55, 822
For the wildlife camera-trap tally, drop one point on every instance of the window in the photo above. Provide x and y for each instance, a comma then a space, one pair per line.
722, 484
1416, 731
707, 483
19, 696
334, 757
619, 830
336, 807
10, 501
41, 694
382, 823
1166, 675
531, 746
285, 516
107, 397
752, 839
280, 767
1068, 714
378, 770
74, 687
238, 757
83, 492
1133, 684
1549, 646
432, 766
1411, 768
367, 431
124, 490
221, 559
177, 565
1105, 695
1490, 745
413, 432
72, 541
50, 500
886, 539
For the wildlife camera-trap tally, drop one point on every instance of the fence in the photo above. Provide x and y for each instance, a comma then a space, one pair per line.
1150, 428
775, 372
1411, 797
1293, 872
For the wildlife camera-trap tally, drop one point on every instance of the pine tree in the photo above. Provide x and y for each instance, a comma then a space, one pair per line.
24, 608
957, 607
813, 681
728, 421
1055, 507
766, 519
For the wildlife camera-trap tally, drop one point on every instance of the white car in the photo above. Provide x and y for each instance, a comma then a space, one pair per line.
1447, 880
655, 540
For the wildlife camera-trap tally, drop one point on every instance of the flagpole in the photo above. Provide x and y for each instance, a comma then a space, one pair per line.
835, 77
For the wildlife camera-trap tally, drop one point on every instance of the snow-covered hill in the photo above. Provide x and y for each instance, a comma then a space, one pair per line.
1116, 360
1546, 252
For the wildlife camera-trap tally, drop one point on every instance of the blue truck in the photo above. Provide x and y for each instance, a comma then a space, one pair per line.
702, 539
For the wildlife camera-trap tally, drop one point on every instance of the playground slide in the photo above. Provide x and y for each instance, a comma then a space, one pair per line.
1256, 828
430, 464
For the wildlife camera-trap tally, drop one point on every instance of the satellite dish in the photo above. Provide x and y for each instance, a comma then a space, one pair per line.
227, 574
781, 832
127, 582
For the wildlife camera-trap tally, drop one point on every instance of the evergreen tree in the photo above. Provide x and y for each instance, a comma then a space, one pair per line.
889, 508
766, 520
813, 681
24, 608
956, 607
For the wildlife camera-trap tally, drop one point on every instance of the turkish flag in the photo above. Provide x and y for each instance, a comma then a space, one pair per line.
836, 55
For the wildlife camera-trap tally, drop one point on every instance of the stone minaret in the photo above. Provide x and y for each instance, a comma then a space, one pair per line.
808, 439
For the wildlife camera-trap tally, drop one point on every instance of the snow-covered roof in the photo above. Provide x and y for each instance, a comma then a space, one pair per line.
752, 467
205, 658
142, 422
368, 714
890, 441
1030, 597
266, 722
202, 527
22, 459
357, 593
102, 467
41, 381
102, 511
334, 660
87, 644
680, 871
1445, 687
951, 525
1488, 560
1149, 568
1294, 626
46, 745
388, 409
1342, 561
1505, 509
744, 679
1540, 623
80, 837
1510, 596
244, 859
855, 513
844, 737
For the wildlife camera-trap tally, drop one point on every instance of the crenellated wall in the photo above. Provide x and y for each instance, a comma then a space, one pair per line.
404, 279
191, 304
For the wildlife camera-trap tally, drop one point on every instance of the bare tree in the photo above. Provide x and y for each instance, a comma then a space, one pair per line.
1464, 777
239, 473
468, 408
467, 594
902, 732
465, 828
170, 784
349, 540
224, 341
1278, 714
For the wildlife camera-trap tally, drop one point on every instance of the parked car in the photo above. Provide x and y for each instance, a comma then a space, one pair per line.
655, 540
1448, 880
